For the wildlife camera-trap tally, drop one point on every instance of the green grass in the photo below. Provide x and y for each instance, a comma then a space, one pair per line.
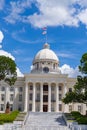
8, 118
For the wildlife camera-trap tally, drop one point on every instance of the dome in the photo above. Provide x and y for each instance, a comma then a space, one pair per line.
46, 54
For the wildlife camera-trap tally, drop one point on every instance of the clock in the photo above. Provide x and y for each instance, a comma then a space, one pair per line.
46, 69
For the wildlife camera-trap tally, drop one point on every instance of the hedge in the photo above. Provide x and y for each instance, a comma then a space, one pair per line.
7, 118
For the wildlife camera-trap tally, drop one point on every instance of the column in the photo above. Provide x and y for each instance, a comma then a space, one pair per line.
6, 96
57, 98
49, 98
15, 103
66, 109
26, 98
41, 98
33, 107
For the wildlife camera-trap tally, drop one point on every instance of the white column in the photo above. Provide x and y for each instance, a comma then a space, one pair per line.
7, 96
49, 98
41, 98
65, 91
57, 98
15, 103
33, 107
26, 98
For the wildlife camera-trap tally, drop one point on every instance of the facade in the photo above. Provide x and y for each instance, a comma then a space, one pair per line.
42, 89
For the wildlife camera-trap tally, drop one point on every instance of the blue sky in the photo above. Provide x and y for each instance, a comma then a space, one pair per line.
21, 23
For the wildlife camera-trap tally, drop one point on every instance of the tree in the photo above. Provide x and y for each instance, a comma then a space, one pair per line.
83, 64
79, 93
7, 70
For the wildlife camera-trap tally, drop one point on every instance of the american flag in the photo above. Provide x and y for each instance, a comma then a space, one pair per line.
44, 30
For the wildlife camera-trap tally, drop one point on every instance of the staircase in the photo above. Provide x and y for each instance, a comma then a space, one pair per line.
45, 121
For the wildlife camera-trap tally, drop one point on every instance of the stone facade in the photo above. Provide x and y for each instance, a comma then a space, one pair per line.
42, 89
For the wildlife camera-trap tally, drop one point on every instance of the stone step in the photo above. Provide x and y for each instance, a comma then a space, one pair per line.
46, 119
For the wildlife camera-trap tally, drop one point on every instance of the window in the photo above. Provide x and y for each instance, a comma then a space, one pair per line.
53, 88
20, 97
2, 97
11, 107
2, 107
38, 96
45, 87
3, 88
60, 88
20, 107
38, 88
52, 108
45, 98
60, 97
11, 97
79, 108
60, 107
70, 108
31, 87
11, 88
37, 66
46, 69
30, 107
38, 108
70, 89
53, 66
20, 89
52, 97
30, 96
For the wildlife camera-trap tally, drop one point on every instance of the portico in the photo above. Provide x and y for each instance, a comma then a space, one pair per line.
43, 96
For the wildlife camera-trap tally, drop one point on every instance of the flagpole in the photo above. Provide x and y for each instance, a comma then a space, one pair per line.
46, 37
45, 33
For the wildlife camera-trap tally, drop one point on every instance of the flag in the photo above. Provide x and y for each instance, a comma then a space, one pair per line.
44, 30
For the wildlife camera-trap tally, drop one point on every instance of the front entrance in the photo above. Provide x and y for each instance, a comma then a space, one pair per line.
45, 108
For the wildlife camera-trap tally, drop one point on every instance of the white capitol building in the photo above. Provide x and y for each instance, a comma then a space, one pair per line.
42, 89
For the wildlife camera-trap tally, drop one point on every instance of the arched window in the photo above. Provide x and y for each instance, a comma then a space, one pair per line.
53, 66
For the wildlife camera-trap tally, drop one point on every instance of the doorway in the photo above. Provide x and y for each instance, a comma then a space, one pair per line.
45, 108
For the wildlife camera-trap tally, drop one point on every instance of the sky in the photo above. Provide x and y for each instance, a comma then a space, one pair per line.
21, 28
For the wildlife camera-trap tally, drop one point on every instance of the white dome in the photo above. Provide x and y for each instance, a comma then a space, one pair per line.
45, 54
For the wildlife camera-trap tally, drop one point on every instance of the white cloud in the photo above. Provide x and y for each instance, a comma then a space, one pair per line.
16, 9
83, 16
59, 13
66, 69
54, 13
19, 73
1, 36
50, 12
4, 53
66, 55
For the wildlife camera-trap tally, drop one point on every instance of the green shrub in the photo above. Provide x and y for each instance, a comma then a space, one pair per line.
1, 122
82, 120
7, 118
76, 114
